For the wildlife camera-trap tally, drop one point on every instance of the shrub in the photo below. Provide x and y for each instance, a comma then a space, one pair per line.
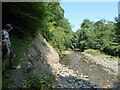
111, 50
92, 52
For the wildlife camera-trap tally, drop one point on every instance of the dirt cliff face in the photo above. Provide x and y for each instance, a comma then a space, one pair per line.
40, 53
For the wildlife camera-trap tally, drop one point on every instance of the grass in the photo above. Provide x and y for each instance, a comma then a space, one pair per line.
100, 54
42, 82
93, 52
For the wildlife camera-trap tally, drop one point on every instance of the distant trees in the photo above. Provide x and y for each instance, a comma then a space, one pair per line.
99, 35
117, 29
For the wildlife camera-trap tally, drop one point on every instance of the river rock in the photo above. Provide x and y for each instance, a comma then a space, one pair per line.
93, 86
70, 81
66, 74
85, 76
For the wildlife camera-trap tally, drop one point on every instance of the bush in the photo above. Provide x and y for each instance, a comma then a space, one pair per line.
111, 50
92, 52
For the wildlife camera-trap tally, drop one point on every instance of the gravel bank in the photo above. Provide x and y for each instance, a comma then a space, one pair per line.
68, 78
111, 66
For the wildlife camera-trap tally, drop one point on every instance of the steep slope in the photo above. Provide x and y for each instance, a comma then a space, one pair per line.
37, 56
40, 53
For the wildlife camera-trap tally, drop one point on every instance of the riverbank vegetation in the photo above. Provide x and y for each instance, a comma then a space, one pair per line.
100, 54
101, 35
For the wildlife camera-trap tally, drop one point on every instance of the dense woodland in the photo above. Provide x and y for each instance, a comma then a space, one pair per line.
30, 18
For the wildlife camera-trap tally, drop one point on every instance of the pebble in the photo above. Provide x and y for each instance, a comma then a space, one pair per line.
86, 79
41, 58
85, 76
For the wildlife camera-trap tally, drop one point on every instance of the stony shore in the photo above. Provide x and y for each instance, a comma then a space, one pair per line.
111, 66
67, 78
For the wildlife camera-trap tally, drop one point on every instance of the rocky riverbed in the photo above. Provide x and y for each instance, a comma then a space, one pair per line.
67, 78
101, 74
108, 64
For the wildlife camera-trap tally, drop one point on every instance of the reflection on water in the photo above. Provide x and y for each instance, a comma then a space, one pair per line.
94, 73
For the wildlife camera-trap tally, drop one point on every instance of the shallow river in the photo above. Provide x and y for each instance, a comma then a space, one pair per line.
94, 74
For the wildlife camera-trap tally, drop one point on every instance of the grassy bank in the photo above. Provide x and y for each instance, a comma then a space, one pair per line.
100, 54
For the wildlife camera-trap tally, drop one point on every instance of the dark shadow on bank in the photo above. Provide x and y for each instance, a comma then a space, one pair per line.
74, 82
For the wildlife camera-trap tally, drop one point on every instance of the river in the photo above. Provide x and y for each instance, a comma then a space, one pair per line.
93, 73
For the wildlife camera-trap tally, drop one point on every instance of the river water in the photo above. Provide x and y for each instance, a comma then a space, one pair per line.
92, 73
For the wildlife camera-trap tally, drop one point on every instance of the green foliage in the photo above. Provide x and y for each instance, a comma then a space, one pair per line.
101, 55
41, 82
86, 24
92, 52
31, 18
99, 35
117, 29
59, 29
111, 50
27, 18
